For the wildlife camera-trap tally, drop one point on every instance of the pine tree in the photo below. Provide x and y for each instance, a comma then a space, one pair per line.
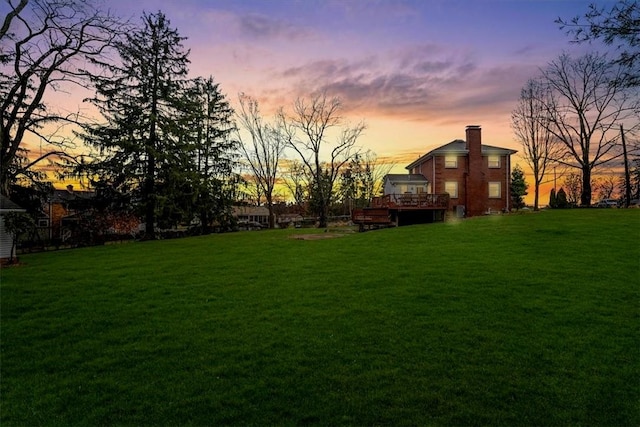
561, 199
518, 188
140, 99
552, 199
214, 153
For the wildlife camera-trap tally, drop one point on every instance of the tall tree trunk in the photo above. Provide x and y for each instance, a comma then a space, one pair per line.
536, 196
149, 196
585, 196
204, 221
322, 219
627, 176
272, 220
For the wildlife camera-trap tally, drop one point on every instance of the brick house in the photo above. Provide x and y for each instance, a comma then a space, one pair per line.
62, 209
467, 178
476, 176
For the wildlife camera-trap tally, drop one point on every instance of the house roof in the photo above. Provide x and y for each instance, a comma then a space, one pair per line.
67, 195
459, 146
6, 205
251, 210
404, 178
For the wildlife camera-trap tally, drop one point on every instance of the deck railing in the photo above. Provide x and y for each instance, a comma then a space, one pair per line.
411, 200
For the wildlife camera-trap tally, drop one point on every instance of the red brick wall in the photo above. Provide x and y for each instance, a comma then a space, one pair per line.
472, 175
477, 191
498, 175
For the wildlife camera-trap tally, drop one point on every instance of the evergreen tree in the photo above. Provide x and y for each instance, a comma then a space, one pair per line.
214, 153
141, 100
552, 199
348, 187
561, 199
518, 187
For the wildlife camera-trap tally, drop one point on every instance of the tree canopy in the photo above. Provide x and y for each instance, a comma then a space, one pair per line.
46, 45
617, 26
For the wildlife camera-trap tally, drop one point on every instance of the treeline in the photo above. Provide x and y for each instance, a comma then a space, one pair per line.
163, 147
581, 114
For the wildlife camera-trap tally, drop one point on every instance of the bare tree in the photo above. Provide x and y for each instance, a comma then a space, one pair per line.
251, 191
588, 100
375, 172
13, 14
606, 186
322, 159
618, 26
530, 122
361, 180
46, 45
296, 180
573, 184
264, 147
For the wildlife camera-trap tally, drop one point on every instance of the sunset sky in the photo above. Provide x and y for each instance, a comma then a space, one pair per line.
417, 71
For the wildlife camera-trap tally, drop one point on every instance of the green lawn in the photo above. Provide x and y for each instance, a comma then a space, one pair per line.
529, 319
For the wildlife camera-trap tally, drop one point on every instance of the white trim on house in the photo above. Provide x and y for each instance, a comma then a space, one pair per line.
6, 238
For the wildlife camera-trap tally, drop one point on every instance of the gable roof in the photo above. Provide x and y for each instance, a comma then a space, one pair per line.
6, 205
412, 178
66, 195
459, 146
251, 210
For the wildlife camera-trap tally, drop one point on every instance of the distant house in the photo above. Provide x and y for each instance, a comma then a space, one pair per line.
6, 238
465, 177
251, 216
290, 219
63, 209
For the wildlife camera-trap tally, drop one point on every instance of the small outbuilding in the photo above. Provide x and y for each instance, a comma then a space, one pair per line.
6, 238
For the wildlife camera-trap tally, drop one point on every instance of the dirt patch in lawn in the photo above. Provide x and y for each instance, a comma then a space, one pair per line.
316, 236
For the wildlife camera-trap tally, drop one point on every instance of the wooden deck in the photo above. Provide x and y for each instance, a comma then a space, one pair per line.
371, 216
390, 209
411, 201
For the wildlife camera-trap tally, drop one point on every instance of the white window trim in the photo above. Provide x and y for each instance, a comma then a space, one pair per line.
499, 196
451, 158
489, 161
455, 195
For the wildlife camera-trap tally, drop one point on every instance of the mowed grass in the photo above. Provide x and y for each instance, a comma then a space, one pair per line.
527, 319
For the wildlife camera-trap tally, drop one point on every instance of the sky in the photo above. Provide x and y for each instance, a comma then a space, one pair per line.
416, 71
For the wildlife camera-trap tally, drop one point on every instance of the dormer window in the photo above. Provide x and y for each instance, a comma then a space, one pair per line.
494, 161
450, 161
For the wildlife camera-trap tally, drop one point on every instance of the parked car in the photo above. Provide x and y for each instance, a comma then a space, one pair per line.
607, 203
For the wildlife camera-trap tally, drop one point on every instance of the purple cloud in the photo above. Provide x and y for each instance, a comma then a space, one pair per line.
263, 27
413, 85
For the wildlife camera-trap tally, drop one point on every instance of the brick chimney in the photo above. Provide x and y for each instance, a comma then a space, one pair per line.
476, 188
474, 139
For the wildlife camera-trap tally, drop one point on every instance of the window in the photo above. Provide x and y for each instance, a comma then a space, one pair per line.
451, 187
494, 161
450, 161
494, 190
